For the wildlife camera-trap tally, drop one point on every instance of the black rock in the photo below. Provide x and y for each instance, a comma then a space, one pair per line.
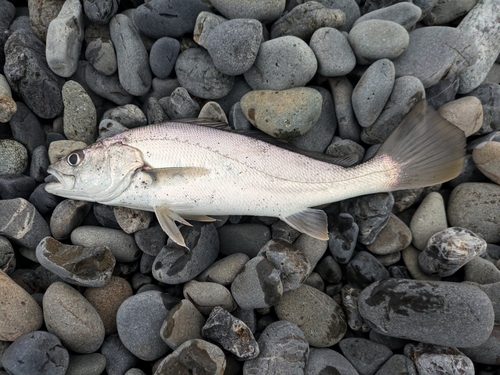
343, 237
16, 186
26, 128
44, 202
365, 269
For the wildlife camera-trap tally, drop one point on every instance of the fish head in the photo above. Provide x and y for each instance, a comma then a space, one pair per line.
98, 173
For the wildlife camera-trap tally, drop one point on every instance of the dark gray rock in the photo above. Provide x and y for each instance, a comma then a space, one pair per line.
39, 163
154, 112
128, 115
239, 89
16, 186
276, 358
243, 238
180, 105
364, 269
118, 358
342, 90
396, 365
108, 87
406, 14
105, 216
343, 237
366, 356
335, 55
100, 12
7, 14
163, 55
43, 201
151, 240
265, 12
89, 364
328, 361
329, 270
26, 128
67, 216
36, 353
432, 359
489, 95
80, 77
448, 314
488, 352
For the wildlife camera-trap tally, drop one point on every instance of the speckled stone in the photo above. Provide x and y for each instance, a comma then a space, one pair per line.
86, 364
323, 42
486, 156
429, 218
366, 356
182, 323
14, 157
324, 361
395, 237
263, 11
205, 296
432, 359
7, 105
131, 220
405, 14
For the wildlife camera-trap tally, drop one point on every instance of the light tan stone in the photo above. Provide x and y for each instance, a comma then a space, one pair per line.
465, 113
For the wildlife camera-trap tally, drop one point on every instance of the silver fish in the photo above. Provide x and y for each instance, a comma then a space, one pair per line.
185, 171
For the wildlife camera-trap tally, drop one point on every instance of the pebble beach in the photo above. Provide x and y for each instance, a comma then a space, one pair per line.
408, 281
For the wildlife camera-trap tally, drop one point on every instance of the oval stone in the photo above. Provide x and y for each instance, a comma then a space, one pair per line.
486, 156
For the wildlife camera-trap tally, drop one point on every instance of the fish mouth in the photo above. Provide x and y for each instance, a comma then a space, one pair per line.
64, 181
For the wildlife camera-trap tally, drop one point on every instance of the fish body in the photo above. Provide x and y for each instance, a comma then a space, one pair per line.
187, 171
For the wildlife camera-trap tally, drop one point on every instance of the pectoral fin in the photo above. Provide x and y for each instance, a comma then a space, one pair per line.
310, 221
167, 221
202, 218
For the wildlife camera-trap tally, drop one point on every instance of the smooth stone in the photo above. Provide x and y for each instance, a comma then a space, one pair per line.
376, 39
474, 206
354, 320
366, 356
450, 52
281, 230
393, 343
489, 95
175, 264
36, 353
182, 323
257, 285
59, 149
396, 365
43, 201
283, 114
345, 148
239, 89
481, 271
224, 270
118, 358
38, 86
20, 313
281, 64
122, 245
193, 357
131, 220
205, 23
163, 55
14, 186
481, 23
64, 39
86, 364
404, 199
107, 300
320, 318
205, 296
446, 11
486, 157
14, 157
128, 115
343, 237
442, 92
171, 18
139, 320
230, 333
265, 12
180, 105
243, 238
151, 240
276, 358
26, 128
80, 76
465, 113
493, 75
41, 14
328, 361
364, 269
410, 258
323, 42
39, 163
72, 318
304, 19
108, 87
431, 359
100, 12
154, 112
405, 14
101, 54
133, 61
488, 353
329, 270
7, 256
105, 215
436, 307
342, 89
8, 106
449, 250
68, 215
314, 280
234, 44
395, 237
429, 218
213, 111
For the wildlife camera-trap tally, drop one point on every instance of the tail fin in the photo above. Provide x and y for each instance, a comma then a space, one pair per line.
426, 148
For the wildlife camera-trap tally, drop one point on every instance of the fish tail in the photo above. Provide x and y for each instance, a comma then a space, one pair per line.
425, 149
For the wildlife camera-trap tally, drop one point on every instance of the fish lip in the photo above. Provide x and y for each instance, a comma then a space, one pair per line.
63, 180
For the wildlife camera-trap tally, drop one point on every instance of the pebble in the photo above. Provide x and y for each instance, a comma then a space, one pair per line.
175, 264
343, 237
486, 157
244, 238
79, 113
474, 206
350, 303
489, 95
40, 15
108, 87
364, 269
151, 240
449, 53
481, 271
315, 313
205, 23
304, 19
180, 105
438, 308
481, 24
324, 361
131, 220
86, 364
225, 270
105, 215
442, 92
100, 12
283, 114
323, 42
182, 323
205, 296
314, 280
233, 45
14, 157
26, 128
36, 353
445, 12
107, 299
122, 245
7, 256
449, 250
488, 352
128, 115
429, 218
72, 318
16, 186
101, 54
231, 333
118, 357
329, 270
395, 237
465, 113
213, 111
281, 64
39, 164
139, 320
276, 358
43, 201
154, 112
68, 215
8, 106
25, 52
64, 39
194, 356
133, 62
20, 313
265, 12
430, 359
405, 14
410, 258
366, 356
397, 364
163, 55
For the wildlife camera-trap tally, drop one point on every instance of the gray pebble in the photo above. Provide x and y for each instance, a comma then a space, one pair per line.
349, 7
8, 106
389, 259
492, 291
329, 270
128, 115
108, 87
151, 240
108, 128
122, 245
481, 271
101, 54
79, 113
349, 127
231, 333
364, 269
154, 112
205, 23
239, 89
7, 256
396, 365
175, 264
371, 93
345, 148
243, 238
205, 296
72, 318
39, 163
100, 12
80, 77
43, 201
131, 220
224, 270
118, 357
180, 105
282, 231
365, 355
311, 247
489, 95
265, 12
139, 320
16, 186
323, 42
442, 92
86, 364
197, 73
324, 361
314, 280
445, 12
410, 258
394, 307
343, 237
395, 237
68, 215
213, 111
131, 55
429, 218
282, 63
405, 14
36, 353
350, 304
488, 352
163, 55
26, 128
135, 371
182, 323
14, 157
431, 359
393, 343
276, 358
233, 45
105, 215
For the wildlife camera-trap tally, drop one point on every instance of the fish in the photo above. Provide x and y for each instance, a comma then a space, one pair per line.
183, 170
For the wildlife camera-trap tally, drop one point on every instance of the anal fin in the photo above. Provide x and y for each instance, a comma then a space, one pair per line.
312, 222
167, 219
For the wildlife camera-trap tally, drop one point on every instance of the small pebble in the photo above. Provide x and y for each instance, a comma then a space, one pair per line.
68, 215
86, 364
486, 156
324, 361
213, 111
430, 359
26, 128
205, 23
182, 323
205, 296
265, 12
131, 220
366, 356
7, 105
349, 127
243, 238
481, 271
342, 238
14, 157
224, 270
396, 365
128, 115
151, 240
405, 14
465, 113
395, 237
118, 358
180, 105
163, 55
429, 218
410, 258
364, 269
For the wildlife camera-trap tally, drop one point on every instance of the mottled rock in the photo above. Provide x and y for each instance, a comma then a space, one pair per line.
68, 215
342, 238
88, 364
224, 270
131, 220
410, 258
100, 12
324, 361
243, 238
465, 113
395, 237
7, 105
108, 87
486, 157
429, 218
182, 323
14, 157
364, 269
180, 104
430, 359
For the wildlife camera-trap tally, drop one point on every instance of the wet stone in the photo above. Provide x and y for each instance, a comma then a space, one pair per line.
350, 303
243, 238
83, 266
151, 240
231, 333
449, 250
182, 323
205, 296
366, 356
364, 269
430, 359
14, 157
180, 104
68, 215
131, 220
342, 238
274, 357
175, 264
325, 361
224, 270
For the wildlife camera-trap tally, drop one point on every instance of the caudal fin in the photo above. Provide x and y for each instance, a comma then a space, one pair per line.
425, 149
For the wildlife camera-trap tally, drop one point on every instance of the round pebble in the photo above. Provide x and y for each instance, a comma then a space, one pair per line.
243, 238
7, 105
466, 113
100, 12
323, 361
395, 237
265, 12
486, 156
118, 358
180, 104
205, 296
14, 157
430, 359
182, 323
410, 258
163, 55
68, 215
405, 14
481, 271
131, 220
86, 364
323, 42
429, 218
366, 356
224, 270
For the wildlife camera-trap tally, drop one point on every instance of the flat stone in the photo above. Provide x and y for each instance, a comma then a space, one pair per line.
265, 12
429, 218
395, 237
182, 323
323, 42
205, 296
405, 14
224, 270
68, 215
366, 356
486, 157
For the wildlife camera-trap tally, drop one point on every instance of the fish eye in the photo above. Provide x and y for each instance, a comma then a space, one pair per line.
75, 158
